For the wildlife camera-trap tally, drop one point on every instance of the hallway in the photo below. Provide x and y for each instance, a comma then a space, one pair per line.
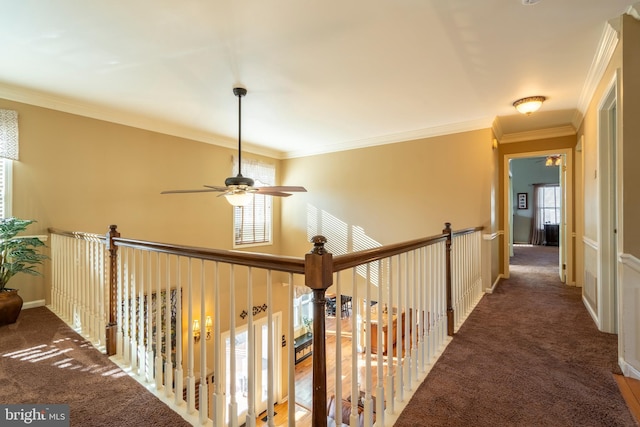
529, 354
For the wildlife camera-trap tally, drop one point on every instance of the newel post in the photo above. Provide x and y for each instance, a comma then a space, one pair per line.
318, 272
111, 330
450, 320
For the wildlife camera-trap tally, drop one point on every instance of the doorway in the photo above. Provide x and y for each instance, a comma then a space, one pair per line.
608, 246
556, 213
243, 361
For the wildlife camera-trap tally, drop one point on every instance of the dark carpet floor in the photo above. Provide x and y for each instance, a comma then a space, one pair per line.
528, 355
43, 361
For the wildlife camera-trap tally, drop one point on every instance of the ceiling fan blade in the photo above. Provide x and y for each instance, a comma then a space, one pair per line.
272, 193
206, 190
216, 187
280, 188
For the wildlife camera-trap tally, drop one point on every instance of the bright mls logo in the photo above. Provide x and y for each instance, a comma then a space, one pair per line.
36, 415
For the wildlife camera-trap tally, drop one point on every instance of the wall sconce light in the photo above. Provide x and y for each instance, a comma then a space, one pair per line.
196, 330
529, 105
207, 327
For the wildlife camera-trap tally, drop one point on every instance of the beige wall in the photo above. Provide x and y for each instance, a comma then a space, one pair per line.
631, 135
77, 173
629, 286
390, 193
588, 134
625, 60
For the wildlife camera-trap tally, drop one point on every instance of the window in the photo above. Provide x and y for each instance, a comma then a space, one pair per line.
547, 199
302, 308
5, 188
550, 198
252, 223
8, 152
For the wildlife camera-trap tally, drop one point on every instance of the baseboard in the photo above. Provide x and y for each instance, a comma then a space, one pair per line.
593, 314
628, 370
493, 287
33, 304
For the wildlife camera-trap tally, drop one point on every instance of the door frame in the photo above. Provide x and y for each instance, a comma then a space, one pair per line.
277, 365
609, 207
567, 235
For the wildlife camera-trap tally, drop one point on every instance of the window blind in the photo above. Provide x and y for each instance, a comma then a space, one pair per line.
252, 223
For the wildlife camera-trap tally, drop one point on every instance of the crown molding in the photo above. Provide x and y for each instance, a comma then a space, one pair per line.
93, 111
538, 134
606, 47
634, 11
497, 129
483, 123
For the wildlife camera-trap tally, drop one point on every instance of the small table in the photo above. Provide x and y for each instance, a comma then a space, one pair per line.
303, 347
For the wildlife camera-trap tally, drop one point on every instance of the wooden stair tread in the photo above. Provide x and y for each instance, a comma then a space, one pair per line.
630, 390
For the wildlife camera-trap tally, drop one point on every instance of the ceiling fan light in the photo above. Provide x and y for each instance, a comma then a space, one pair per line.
241, 198
529, 105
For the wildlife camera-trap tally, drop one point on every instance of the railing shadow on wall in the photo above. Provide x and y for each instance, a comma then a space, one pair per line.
173, 315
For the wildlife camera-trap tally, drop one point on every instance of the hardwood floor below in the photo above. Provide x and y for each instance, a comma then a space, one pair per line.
630, 390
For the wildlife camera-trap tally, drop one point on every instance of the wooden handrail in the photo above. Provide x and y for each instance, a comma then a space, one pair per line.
343, 262
78, 235
249, 259
467, 231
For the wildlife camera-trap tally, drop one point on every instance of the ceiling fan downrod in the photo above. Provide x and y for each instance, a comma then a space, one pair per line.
240, 92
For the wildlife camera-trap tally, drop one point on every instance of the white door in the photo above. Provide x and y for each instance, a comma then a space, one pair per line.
260, 360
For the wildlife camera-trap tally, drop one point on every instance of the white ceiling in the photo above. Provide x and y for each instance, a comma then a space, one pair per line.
322, 75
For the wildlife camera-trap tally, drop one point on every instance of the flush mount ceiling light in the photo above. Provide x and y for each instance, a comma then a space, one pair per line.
529, 104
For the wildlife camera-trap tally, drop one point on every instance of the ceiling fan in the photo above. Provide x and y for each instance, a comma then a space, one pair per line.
238, 189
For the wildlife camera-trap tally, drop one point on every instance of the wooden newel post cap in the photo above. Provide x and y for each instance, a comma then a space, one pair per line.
318, 245
447, 227
318, 268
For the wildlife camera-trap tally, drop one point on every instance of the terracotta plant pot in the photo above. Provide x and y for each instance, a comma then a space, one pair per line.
10, 306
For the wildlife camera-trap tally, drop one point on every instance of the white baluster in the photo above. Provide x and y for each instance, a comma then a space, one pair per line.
218, 397
158, 334
271, 352
251, 350
178, 377
168, 338
380, 397
355, 374
191, 381
291, 410
204, 392
233, 404
149, 321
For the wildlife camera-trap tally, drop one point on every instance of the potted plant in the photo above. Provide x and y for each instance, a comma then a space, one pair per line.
307, 324
17, 255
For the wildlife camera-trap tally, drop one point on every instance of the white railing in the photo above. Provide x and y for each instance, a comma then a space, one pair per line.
466, 268
79, 288
208, 371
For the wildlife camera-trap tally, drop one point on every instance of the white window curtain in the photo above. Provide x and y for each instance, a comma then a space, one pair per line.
537, 230
9, 134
